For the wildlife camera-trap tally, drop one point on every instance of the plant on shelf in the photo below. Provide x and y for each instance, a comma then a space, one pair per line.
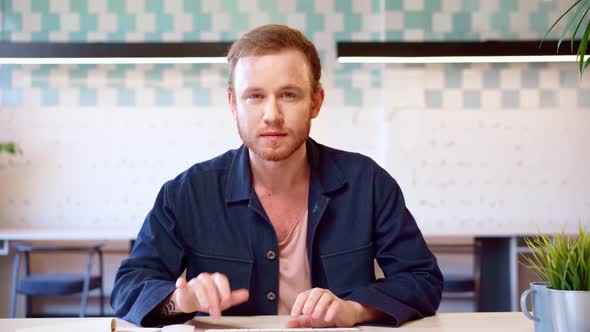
564, 262
577, 21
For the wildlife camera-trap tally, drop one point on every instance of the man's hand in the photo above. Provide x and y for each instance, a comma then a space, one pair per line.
207, 293
319, 307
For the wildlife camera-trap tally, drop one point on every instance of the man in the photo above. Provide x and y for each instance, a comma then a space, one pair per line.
282, 224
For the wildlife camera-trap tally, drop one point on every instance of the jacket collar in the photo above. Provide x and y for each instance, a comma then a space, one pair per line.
327, 174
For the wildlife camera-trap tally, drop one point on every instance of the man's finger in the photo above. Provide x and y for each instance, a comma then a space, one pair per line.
312, 300
239, 296
299, 322
322, 306
332, 311
299, 302
197, 288
213, 298
223, 289
181, 282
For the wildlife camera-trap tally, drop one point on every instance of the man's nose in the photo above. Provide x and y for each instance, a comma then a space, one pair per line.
272, 112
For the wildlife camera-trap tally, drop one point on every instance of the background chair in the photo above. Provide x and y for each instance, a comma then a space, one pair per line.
55, 284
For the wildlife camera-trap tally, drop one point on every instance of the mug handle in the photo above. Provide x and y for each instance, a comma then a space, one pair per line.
523, 307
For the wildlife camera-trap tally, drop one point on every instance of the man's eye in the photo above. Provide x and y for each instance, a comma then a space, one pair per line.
255, 96
289, 94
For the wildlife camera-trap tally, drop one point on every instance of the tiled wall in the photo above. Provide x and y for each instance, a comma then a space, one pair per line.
98, 141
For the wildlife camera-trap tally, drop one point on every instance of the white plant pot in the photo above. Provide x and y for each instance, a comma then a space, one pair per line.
570, 310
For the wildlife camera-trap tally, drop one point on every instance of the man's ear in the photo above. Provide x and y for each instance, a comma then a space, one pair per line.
231, 99
317, 98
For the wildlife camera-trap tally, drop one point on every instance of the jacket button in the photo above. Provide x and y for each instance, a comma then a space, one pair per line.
271, 296
271, 255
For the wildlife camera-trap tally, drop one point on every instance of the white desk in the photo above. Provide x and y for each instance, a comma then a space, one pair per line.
505, 322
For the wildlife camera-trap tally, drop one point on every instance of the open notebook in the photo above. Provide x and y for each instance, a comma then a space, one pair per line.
201, 324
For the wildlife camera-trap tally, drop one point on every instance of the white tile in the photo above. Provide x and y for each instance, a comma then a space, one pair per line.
210, 6
297, 21
413, 35
324, 7
22, 6
59, 36
173, 36
182, 22
286, 6
529, 99
135, 6
59, 6
248, 6
257, 19
452, 99
175, 7
138, 36
361, 7
549, 79
442, 22
394, 20
510, 79
70, 22
145, 23
491, 99
417, 5
107, 23
472, 78
454, 6
32, 22
220, 22
97, 7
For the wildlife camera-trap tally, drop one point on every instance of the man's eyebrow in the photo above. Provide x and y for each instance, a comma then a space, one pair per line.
291, 87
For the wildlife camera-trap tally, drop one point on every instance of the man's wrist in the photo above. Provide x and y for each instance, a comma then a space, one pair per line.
364, 314
168, 307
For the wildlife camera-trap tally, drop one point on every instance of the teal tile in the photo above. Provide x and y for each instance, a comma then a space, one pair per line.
376, 36
314, 23
154, 6
228, 36
416, 20
394, 4
126, 23
240, 22
376, 84
40, 6
530, 78
6, 76
39, 84
164, 23
40, 36
491, 79
500, 21
343, 83
50, 22
125, 97
539, 22
163, 97
229, 6
453, 79
87, 97
343, 6
192, 7
116, 7
432, 6
49, 97
353, 97
470, 6
342, 36
78, 36
568, 79
11, 97
510, 99
80, 7
305, 6
433, 98
508, 5
375, 6
462, 22
472, 99
548, 99
584, 98
394, 35
153, 37
13, 22
201, 97
352, 23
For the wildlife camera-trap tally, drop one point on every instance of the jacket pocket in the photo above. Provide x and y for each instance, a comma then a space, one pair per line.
237, 270
349, 269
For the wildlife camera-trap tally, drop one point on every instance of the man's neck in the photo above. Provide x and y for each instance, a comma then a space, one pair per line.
280, 176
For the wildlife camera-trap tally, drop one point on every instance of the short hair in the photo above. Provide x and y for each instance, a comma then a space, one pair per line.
272, 38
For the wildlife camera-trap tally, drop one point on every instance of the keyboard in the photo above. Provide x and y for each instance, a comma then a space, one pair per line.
315, 329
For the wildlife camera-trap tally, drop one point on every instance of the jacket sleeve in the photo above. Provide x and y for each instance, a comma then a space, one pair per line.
149, 275
412, 286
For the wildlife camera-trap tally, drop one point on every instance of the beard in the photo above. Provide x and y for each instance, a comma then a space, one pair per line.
275, 151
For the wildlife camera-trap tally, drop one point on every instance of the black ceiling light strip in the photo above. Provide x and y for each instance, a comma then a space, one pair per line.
43, 50
454, 49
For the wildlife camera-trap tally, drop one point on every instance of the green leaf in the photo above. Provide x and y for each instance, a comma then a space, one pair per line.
559, 19
583, 45
581, 20
8, 148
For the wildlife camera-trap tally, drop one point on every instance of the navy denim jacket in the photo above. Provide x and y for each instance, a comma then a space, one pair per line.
209, 219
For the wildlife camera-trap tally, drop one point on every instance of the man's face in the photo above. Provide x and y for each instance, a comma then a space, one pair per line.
273, 103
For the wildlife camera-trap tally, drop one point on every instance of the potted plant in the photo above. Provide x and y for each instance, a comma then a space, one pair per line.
577, 21
8, 148
564, 263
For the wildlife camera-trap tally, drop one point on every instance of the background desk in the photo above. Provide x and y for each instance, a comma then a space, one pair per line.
497, 260
506, 322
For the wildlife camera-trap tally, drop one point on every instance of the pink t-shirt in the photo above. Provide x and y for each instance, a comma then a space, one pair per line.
293, 266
